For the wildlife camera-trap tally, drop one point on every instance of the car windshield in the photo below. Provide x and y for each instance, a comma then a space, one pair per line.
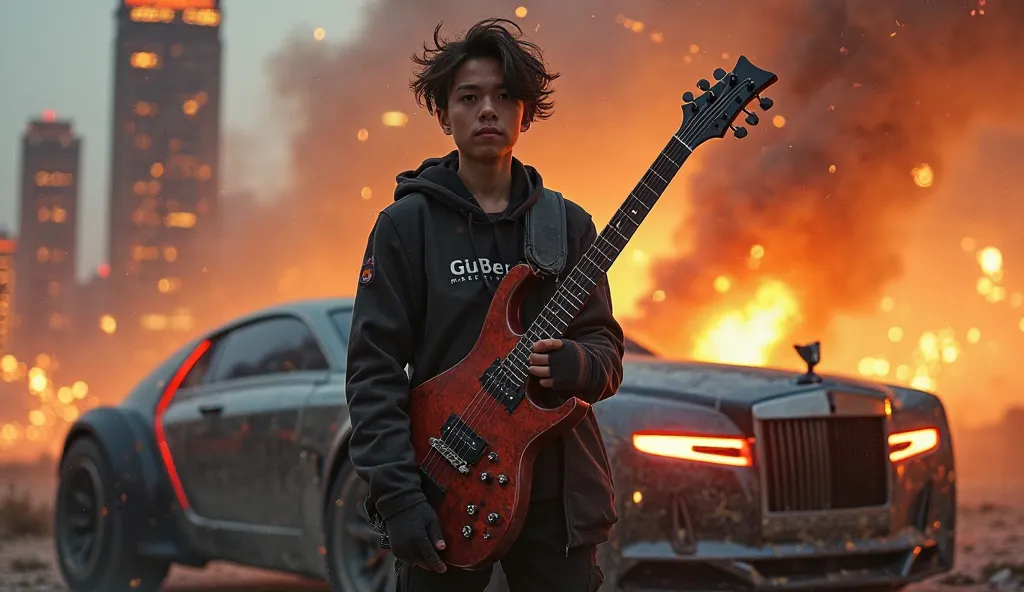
342, 319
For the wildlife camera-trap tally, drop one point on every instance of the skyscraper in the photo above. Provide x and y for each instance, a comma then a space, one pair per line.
164, 177
8, 248
48, 236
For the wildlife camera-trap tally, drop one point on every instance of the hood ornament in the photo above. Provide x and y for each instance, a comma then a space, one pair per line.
811, 355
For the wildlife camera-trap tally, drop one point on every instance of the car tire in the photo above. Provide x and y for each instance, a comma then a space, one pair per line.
93, 552
354, 560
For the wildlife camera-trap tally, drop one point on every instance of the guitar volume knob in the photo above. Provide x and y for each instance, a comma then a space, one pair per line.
502, 479
493, 518
485, 477
467, 531
471, 509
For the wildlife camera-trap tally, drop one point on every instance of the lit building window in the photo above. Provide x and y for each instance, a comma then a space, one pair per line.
60, 215
145, 109
190, 107
54, 289
151, 14
143, 141
42, 254
43, 214
168, 285
204, 172
153, 187
157, 170
180, 220
144, 253
203, 17
145, 60
53, 179
139, 187
170, 253
145, 215
153, 322
58, 321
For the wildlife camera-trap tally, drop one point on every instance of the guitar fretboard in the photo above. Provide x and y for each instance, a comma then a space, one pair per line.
580, 283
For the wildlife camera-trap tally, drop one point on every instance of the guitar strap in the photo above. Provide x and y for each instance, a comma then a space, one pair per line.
546, 237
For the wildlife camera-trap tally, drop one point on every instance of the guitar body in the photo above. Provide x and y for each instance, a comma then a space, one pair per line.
482, 508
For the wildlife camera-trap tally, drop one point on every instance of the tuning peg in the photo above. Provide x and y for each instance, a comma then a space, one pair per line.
703, 84
719, 74
752, 118
739, 132
711, 96
687, 97
733, 79
765, 103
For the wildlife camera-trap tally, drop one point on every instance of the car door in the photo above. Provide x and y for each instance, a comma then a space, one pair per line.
263, 373
325, 415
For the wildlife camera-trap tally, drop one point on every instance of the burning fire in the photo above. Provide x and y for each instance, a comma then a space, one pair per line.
748, 335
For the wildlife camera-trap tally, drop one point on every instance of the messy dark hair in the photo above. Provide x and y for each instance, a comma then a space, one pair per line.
525, 75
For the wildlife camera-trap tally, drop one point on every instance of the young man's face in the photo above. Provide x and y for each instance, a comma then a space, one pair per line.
484, 121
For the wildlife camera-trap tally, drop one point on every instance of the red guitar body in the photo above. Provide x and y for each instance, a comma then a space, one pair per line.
482, 508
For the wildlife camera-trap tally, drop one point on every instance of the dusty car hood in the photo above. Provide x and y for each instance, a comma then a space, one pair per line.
730, 389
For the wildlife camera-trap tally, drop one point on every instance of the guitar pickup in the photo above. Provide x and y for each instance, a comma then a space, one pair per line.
498, 384
462, 440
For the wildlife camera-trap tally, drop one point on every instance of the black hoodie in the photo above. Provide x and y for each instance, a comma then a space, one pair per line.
433, 261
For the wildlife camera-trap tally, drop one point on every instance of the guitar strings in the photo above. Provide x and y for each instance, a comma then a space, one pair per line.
476, 409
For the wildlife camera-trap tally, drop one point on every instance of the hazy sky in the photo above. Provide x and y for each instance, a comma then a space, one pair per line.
57, 54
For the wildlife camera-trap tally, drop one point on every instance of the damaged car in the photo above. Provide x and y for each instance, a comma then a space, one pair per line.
727, 477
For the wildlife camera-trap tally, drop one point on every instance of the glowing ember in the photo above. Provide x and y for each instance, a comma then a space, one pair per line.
779, 121
366, 193
747, 336
722, 284
319, 34
923, 175
991, 260
521, 12
363, 135
394, 119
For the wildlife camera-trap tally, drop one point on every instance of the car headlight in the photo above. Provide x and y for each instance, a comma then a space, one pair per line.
903, 445
719, 450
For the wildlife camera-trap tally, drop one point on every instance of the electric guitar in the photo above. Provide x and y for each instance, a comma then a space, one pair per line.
475, 429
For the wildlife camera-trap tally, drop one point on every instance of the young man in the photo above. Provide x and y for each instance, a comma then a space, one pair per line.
433, 261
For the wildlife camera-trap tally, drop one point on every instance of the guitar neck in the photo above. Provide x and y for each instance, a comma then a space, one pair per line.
577, 287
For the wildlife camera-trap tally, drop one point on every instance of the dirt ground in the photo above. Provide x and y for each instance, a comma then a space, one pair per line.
990, 540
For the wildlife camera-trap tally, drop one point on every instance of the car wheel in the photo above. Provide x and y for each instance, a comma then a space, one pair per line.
89, 528
355, 561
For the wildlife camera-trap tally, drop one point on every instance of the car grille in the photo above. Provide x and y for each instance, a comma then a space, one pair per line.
825, 463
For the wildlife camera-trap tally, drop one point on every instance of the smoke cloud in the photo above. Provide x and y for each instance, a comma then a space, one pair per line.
874, 88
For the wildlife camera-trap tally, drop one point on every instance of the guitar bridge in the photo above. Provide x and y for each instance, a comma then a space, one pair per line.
449, 455
459, 444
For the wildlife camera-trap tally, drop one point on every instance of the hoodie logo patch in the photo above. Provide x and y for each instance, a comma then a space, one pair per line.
366, 274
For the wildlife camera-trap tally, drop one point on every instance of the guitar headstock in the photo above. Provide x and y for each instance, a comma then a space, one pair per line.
713, 112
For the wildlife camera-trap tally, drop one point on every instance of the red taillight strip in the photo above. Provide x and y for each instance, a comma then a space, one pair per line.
158, 419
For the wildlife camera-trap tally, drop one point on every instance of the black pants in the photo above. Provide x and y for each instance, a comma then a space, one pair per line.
537, 562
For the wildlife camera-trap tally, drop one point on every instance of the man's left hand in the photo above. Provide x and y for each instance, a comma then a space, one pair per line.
540, 365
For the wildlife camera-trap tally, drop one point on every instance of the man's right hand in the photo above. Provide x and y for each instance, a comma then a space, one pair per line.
414, 533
